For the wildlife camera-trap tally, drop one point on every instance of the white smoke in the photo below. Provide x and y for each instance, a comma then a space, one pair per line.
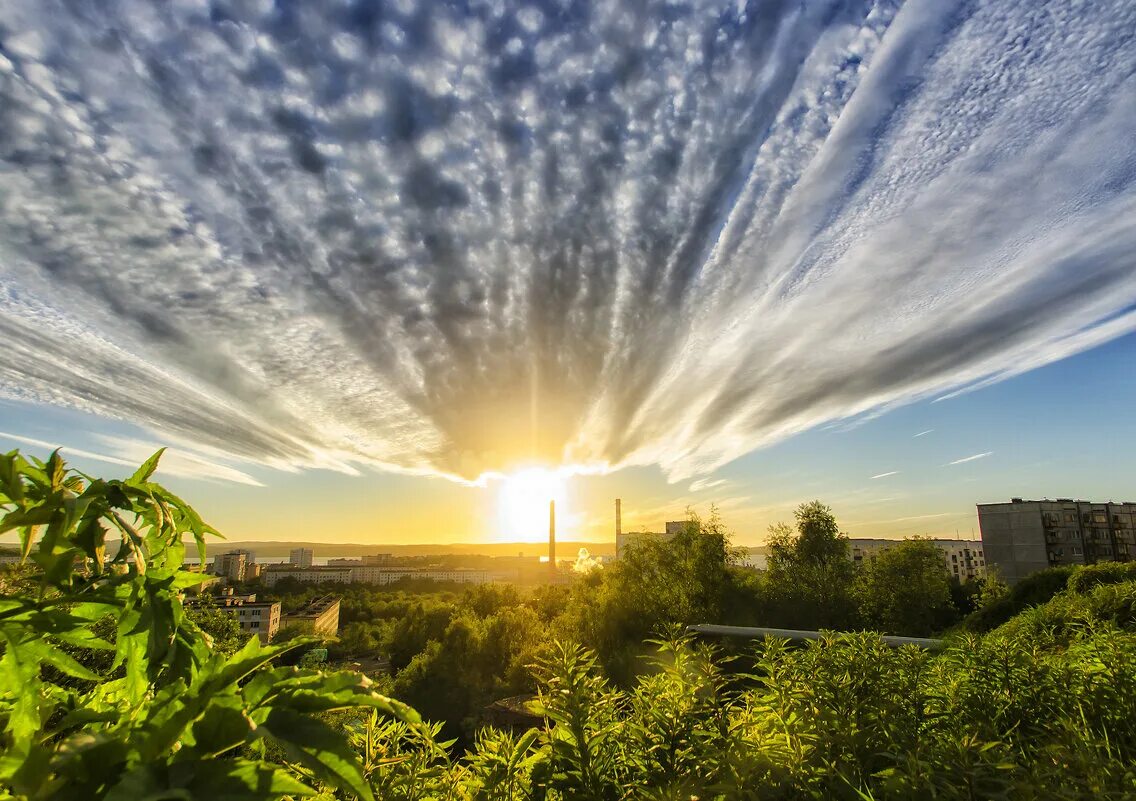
444, 237
585, 562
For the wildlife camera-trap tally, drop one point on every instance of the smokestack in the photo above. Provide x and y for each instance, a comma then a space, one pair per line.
552, 536
618, 518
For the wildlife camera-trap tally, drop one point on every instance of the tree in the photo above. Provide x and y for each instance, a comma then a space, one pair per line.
809, 573
656, 583
906, 590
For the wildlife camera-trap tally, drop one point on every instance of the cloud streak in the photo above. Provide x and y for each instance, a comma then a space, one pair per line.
885, 475
128, 452
966, 459
444, 238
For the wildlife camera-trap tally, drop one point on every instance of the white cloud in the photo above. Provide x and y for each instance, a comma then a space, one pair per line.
885, 475
966, 459
292, 239
131, 453
923, 433
706, 484
66, 451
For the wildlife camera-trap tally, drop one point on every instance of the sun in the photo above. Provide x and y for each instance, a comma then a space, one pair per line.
522, 503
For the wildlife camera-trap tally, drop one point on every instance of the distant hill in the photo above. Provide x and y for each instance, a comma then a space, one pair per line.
279, 550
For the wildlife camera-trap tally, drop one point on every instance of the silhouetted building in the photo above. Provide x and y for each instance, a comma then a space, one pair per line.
1022, 537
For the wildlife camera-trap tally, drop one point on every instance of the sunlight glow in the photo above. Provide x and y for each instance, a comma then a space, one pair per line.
522, 503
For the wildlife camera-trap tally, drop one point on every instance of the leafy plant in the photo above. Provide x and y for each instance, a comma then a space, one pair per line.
169, 716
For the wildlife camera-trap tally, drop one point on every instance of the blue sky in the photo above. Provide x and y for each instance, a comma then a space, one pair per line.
683, 251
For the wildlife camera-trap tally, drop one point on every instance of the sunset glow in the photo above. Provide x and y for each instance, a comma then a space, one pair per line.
522, 503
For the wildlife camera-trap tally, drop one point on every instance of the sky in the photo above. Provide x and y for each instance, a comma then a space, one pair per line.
355, 261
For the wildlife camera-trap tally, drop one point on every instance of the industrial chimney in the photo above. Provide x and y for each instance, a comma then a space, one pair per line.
552, 536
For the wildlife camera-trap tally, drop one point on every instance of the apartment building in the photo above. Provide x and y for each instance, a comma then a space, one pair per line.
964, 559
321, 617
375, 574
1022, 537
310, 575
261, 618
301, 557
233, 565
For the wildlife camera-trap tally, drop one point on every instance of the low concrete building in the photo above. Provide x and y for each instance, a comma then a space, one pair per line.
374, 574
320, 617
625, 541
310, 575
1022, 537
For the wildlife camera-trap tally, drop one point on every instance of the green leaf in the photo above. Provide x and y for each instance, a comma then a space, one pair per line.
223, 726
44, 652
143, 473
236, 780
322, 692
21, 518
320, 748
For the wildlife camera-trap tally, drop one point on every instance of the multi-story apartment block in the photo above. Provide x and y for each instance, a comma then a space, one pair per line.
964, 559
260, 618
320, 617
301, 557
1023, 537
231, 565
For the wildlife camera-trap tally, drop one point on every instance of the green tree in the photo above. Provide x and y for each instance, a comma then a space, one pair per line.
656, 583
906, 590
809, 573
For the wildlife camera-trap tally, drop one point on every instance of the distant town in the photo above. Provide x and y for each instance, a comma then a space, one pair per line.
1018, 538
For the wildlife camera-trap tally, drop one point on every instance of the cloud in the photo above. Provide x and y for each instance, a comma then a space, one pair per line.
444, 238
923, 433
706, 484
966, 459
128, 452
885, 475
70, 452
919, 517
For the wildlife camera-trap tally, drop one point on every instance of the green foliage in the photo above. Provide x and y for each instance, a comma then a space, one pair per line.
905, 590
1090, 576
810, 576
1030, 591
110, 689
170, 715
684, 580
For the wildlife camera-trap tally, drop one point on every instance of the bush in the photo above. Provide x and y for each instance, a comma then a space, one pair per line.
1030, 591
1086, 578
